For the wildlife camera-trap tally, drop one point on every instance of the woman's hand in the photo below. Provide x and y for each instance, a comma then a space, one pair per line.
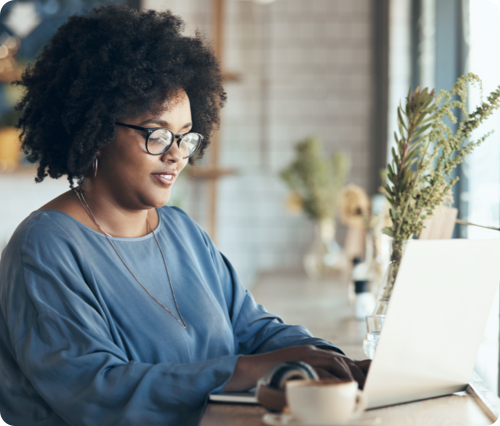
327, 363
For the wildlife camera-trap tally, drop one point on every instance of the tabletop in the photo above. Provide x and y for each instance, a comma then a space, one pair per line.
323, 307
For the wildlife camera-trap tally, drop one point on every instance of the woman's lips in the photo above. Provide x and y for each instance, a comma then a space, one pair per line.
165, 179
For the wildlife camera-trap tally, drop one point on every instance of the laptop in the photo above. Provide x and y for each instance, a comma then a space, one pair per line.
435, 322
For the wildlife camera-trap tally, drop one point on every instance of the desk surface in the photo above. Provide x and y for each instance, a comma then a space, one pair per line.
323, 308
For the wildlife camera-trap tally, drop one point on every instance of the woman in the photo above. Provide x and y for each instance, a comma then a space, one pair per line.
115, 309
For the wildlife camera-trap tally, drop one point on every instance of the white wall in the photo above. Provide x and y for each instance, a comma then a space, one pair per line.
20, 195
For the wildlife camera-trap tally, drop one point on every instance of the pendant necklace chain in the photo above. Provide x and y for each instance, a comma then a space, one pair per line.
79, 193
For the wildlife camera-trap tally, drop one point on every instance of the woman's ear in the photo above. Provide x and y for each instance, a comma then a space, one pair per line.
94, 168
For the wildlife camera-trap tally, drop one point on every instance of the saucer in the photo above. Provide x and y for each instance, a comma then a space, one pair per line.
289, 420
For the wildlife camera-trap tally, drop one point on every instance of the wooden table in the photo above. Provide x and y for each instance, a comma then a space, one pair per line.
323, 308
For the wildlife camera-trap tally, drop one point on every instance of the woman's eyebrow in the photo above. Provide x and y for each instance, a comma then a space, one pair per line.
162, 123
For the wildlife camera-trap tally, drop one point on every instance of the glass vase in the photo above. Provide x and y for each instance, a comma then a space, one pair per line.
373, 327
383, 299
384, 294
375, 321
377, 264
324, 255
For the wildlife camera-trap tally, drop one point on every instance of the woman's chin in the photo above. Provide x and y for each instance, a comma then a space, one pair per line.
162, 200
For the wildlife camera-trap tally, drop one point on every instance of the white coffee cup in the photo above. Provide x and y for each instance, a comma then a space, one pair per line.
320, 402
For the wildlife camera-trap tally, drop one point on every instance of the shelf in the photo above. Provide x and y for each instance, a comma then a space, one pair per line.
210, 173
230, 76
23, 170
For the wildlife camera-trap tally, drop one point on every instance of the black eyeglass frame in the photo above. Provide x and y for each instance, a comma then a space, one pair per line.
149, 131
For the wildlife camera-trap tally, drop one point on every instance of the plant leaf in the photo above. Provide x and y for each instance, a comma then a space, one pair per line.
387, 231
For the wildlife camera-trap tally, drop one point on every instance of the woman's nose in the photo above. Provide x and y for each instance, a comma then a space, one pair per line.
174, 154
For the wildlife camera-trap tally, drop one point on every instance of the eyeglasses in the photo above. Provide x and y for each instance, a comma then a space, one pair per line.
159, 140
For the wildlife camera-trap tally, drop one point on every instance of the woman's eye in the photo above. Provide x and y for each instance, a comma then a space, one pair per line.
160, 136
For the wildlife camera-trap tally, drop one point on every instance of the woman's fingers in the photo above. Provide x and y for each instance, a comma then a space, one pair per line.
358, 375
344, 367
323, 374
364, 365
360, 369
339, 368
331, 361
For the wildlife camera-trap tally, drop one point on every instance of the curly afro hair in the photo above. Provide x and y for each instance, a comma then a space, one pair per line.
112, 63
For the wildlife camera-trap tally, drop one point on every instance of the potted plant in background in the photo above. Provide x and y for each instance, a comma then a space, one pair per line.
316, 182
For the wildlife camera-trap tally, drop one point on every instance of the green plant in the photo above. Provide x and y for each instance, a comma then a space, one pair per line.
315, 179
419, 176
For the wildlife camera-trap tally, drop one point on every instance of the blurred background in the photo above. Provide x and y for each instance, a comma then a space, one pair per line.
335, 70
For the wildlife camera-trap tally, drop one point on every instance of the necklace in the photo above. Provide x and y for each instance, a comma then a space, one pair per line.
79, 193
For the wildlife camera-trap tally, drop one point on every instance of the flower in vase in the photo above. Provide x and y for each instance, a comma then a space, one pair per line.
354, 207
294, 203
427, 150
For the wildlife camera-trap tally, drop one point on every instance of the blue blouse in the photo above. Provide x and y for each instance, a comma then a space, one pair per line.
81, 343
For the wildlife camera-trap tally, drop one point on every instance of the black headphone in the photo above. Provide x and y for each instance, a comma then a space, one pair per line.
271, 388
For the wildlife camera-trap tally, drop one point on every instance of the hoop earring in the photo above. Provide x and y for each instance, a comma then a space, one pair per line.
96, 165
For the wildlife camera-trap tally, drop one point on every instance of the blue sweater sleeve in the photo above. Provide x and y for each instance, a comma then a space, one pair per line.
255, 329
70, 358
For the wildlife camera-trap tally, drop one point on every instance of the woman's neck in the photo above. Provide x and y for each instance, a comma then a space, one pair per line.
114, 218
